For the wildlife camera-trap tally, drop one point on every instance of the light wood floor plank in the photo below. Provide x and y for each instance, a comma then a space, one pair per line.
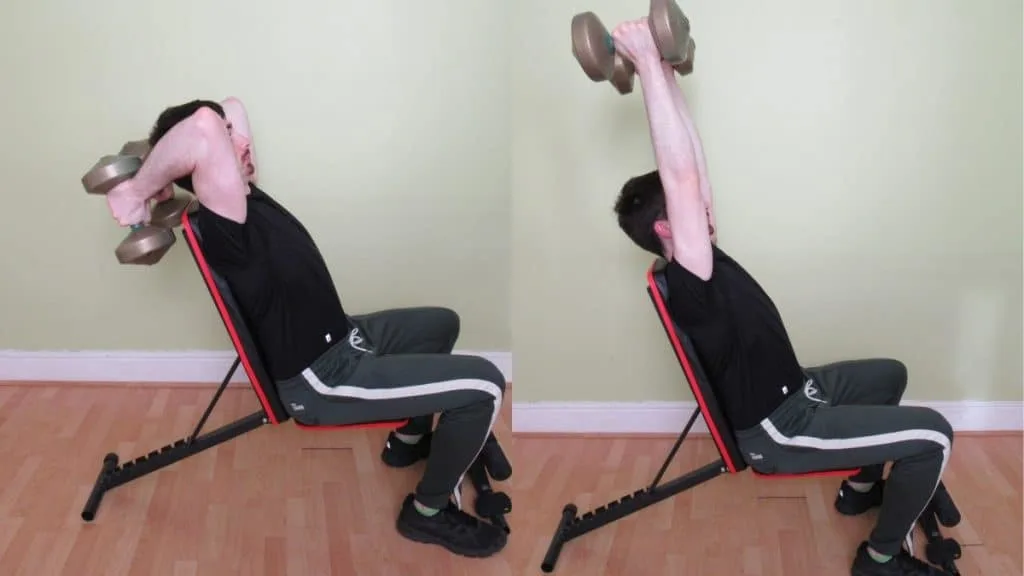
280, 501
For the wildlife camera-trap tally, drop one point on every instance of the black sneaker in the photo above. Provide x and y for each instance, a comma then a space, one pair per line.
451, 528
902, 565
398, 454
850, 502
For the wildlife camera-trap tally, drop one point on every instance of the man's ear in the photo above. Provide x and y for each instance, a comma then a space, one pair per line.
662, 229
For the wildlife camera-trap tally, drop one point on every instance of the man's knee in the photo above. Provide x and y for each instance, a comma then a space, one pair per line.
941, 424
894, 372
932, 420
484, 369
447, 320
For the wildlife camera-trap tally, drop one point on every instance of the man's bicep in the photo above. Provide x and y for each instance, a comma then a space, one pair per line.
688, 218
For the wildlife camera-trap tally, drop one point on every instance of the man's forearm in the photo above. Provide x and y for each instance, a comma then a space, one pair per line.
691, 128
673, 150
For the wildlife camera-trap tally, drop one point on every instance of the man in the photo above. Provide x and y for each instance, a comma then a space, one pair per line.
786, 419
329, 367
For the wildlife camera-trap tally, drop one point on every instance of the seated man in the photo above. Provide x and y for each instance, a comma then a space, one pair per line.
390, 365
786, 419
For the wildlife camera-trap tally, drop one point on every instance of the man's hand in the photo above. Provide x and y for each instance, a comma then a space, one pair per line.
128, 204
165, 194
636, 43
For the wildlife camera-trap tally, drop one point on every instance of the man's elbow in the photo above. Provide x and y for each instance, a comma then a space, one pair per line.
233, 101
206, 121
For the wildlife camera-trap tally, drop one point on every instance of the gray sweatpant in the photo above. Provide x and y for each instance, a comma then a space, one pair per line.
847, 416
397, 364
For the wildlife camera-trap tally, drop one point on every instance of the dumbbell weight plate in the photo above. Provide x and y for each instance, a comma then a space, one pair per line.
671, 30
110, 171
167, 214
685, 67
592, 46
622, 77
138, 148
145, 246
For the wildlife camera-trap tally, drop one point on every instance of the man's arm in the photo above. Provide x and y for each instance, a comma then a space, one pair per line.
238, 117
677, 165
698, 147
200, 146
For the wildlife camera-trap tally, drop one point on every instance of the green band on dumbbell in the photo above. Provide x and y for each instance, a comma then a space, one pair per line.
609, 43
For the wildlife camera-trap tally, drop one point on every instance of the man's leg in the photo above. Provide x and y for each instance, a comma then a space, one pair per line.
864, 382
414, 330
467, 391
804, 435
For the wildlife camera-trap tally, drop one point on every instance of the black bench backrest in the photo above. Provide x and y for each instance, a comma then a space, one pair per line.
241, 337
700, 386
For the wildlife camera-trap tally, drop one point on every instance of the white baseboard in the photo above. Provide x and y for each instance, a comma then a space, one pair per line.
671, 417
192, 366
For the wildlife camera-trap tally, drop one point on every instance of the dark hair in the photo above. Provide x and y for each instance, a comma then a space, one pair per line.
640, 204
170, 117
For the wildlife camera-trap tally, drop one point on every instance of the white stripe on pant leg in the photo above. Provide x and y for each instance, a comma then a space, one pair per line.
873, 440
909, 538
415, 391
458, 485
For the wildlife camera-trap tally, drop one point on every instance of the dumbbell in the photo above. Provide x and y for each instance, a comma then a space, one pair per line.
594, 48
146, 244
671, 31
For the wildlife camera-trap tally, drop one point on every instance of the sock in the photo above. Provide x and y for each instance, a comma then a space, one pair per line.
408, 438
425, 510
880, 558
862, 487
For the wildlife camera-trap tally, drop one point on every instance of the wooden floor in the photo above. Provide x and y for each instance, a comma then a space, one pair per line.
279, 501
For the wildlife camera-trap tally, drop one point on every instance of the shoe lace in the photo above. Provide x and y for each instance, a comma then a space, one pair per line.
460, 522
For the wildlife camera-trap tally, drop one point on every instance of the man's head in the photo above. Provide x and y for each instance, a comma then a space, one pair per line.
640, 208
641, 211
170, 118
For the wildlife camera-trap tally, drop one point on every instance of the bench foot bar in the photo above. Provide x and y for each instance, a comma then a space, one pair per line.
572, 526
113, 475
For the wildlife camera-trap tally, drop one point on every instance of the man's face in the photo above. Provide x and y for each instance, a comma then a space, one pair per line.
243, 152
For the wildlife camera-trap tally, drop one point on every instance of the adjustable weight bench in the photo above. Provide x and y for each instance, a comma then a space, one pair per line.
572, 525
113, 474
